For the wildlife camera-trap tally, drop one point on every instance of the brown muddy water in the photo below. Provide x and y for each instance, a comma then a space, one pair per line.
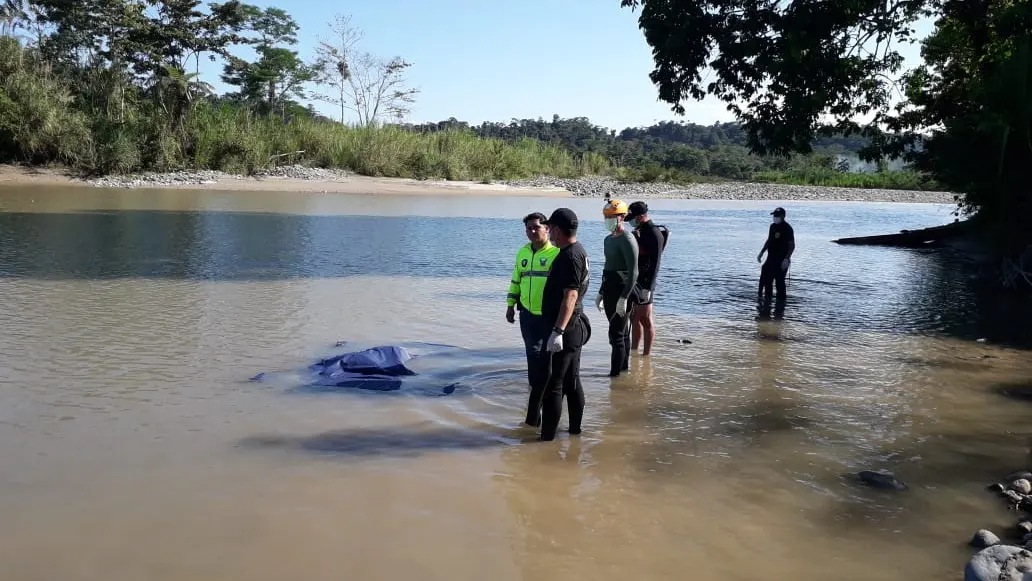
134, 446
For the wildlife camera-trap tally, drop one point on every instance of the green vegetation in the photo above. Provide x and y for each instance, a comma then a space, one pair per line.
965, 118
106, 86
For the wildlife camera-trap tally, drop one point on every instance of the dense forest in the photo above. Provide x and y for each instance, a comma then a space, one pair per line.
717, 151
114, 86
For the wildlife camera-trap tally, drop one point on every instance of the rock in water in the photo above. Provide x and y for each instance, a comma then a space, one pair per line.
984, 539
998, 563
1024, 528
1021, 486
880, 480
1020, 475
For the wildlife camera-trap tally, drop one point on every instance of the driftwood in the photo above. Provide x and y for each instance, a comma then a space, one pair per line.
923, 238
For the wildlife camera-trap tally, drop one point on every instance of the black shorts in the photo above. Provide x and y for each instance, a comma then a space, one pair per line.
636, 295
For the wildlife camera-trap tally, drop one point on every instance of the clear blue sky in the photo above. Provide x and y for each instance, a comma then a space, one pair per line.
478, 60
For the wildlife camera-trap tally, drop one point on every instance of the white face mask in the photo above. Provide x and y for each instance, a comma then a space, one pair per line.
611, 224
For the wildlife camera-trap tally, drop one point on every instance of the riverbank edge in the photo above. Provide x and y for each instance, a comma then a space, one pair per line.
317, 180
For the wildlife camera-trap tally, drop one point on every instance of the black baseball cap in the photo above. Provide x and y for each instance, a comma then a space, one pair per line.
778, 212
564, 218
636, 209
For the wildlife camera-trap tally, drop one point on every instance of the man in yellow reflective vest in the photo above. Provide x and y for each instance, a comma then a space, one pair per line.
533, 263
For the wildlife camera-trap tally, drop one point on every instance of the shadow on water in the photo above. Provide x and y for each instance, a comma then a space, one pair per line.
247, 246
402, 441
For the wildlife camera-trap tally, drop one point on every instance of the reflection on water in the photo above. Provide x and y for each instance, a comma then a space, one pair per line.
136, 448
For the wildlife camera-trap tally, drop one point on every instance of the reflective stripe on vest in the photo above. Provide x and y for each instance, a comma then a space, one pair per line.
529, 276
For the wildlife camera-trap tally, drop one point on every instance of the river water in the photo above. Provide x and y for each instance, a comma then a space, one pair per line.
134, 446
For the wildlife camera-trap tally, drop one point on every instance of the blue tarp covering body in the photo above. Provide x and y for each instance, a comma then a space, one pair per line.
379, 369
423, 369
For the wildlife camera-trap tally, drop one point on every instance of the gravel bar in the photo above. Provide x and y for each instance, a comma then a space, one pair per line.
588, 186
596, 186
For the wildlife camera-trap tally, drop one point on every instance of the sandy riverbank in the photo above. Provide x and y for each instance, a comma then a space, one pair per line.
301, 179
204, 180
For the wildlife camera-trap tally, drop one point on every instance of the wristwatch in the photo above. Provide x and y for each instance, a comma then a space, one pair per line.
558, 331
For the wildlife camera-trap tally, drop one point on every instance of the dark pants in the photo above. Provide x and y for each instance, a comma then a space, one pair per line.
771, 274
535, 330
564, 379
619, 327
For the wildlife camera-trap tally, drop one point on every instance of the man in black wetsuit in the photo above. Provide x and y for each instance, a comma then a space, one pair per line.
561, 303
651, 243
619, 275
779, 247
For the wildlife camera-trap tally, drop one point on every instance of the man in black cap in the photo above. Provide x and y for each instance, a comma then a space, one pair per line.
562, 304
779, 247
651, 243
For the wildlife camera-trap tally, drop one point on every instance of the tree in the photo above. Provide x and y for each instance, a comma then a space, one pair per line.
369, 86
794, 70
278, 74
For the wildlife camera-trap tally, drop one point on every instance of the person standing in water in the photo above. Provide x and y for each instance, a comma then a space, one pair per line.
779, 247
562, 305
526, 287
651, 243
619, 275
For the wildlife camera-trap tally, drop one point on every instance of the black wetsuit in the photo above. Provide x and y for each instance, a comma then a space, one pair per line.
619, 276
650, 251
780, 237
569, 271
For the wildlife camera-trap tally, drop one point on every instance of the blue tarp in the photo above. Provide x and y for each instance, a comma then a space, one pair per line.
379, 368
412, 369
375, 369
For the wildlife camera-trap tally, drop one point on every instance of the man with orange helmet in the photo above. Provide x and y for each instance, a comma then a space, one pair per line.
619, 275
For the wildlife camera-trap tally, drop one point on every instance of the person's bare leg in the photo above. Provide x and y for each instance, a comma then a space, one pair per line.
636, 328
648, 327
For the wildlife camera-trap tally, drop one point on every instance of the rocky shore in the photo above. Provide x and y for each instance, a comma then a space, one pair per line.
1009, 557
587, 186
200, 177
600, 186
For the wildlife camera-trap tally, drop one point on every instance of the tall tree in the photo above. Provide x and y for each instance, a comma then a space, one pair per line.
278, 74
371, 87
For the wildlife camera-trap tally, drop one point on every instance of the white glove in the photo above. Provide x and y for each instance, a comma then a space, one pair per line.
786, 263
621, 307
646, 295
598, 302
555, 342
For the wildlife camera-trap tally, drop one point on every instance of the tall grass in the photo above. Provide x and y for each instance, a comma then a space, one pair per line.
233, 139
816, 176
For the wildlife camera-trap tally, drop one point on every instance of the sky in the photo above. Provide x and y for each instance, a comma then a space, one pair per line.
478, 60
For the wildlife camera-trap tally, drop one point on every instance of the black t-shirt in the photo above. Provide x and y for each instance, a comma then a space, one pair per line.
777, 241
569, 270
650, 248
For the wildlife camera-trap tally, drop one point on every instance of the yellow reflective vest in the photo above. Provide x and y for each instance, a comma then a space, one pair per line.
529, 276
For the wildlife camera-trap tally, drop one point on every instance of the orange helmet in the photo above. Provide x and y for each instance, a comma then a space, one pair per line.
614, 208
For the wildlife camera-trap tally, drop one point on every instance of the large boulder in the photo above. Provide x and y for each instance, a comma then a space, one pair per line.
1000, 563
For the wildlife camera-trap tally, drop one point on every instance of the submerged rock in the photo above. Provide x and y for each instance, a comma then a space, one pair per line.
1015, 476
999, 563
881, 480
984, 539
1021, 486
1024, 528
